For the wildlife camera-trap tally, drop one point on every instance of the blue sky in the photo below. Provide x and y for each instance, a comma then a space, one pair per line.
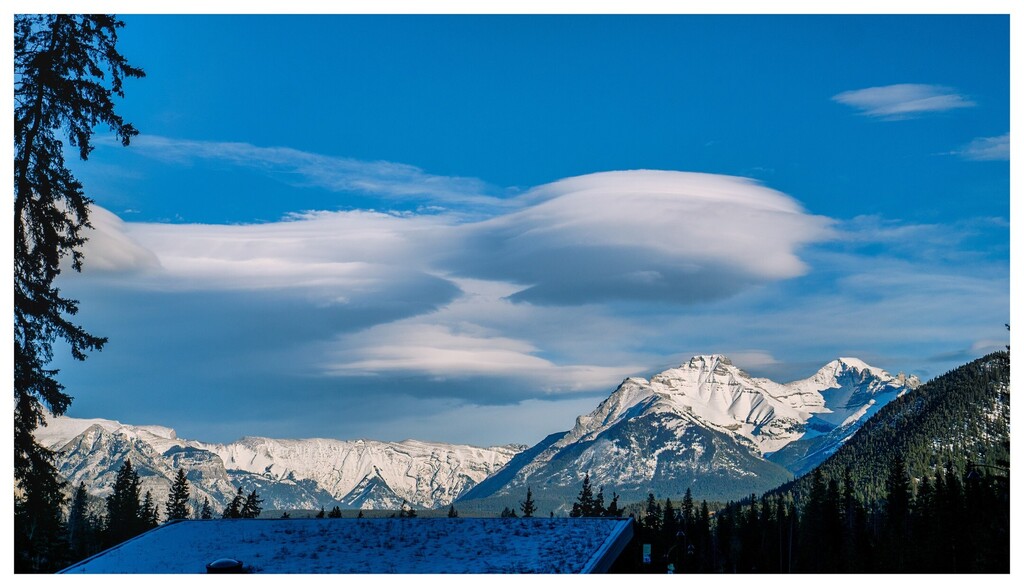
472, 228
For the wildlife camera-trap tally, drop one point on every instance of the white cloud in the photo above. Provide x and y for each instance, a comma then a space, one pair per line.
987, 149
450, 297
641, 235
752, 359
903, 100
109, 247
983, 346
331, 253
443, 352
481, 333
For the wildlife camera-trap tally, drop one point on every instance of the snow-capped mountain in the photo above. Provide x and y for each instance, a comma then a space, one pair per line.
850, 392
707, 425
425, 474
287, 473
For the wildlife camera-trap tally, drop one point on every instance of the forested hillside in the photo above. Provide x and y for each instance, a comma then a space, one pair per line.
961, 418
922, 487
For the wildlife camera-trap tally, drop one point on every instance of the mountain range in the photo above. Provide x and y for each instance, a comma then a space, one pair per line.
705, 424
286, 473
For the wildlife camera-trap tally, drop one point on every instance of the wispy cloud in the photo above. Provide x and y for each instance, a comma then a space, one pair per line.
987, 149
445, 352
903, 100
340, 174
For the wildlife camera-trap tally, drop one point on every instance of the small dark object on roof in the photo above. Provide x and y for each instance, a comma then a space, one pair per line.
225, 566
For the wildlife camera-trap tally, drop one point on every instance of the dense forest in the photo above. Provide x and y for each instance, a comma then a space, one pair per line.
948, 522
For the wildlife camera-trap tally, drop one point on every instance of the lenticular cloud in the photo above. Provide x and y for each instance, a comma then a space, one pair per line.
661, 236
357, 292
640, 235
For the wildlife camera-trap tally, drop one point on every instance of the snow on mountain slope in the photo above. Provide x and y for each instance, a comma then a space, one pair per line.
60, 430
704, 423
847, 390
425, 474
717, 394
290, 473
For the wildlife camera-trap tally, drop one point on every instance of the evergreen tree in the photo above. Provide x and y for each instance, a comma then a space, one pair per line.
686, 513
528, 506
251, 508
124, 506
206, 512
66, 69
285, 515
335, 513
702, 540
508, 513
833, 527
652, 514
81, 527
597, 508
668, 519
322, 513
924, 525
360, 515
855, 538
150, 512
897, 515
452, 513
38, 526
234, 508
584, 505
613, 509
812, 525
749, 535
177, 501
954, 521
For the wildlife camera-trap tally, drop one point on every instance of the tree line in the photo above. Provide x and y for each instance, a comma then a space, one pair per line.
952, 521
126, 513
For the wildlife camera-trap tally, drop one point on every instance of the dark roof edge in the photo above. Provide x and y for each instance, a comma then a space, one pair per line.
610, 550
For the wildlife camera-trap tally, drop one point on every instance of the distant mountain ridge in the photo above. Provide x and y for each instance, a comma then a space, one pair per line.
288, 473
706, 425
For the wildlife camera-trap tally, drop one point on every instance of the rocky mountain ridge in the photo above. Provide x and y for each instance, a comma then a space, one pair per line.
705, 424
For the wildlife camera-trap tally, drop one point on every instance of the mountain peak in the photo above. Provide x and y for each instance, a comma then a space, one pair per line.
846, 365
711, 360
858, 364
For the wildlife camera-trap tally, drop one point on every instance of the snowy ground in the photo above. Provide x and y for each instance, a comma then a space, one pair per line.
366, 546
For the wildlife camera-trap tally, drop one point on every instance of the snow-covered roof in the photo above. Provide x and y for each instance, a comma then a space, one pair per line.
370, 545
